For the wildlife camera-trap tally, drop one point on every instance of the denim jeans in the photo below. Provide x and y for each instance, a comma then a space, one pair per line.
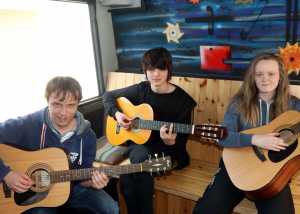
138, 188
83, 200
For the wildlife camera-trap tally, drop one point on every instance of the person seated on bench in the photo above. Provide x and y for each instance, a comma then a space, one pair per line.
170, 103
263, 96
59, 125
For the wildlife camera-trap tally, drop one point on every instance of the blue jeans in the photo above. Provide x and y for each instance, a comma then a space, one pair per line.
83, 200
138, 188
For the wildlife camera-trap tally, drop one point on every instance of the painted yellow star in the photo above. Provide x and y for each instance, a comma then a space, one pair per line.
173, 32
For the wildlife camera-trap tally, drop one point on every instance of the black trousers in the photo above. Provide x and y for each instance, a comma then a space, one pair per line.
138, 188
221, 196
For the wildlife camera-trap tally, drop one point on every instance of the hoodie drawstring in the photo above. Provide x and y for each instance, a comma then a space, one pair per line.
42, 138
260, 113
80, 155
268, 113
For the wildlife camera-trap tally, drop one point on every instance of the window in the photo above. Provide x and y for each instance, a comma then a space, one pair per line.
40, 39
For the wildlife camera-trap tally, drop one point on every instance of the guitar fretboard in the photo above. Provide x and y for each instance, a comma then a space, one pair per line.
82, 174
156, 125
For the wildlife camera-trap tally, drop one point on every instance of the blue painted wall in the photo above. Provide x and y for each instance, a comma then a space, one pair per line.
245, 28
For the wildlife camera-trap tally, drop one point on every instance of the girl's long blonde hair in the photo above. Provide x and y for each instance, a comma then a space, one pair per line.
247, 96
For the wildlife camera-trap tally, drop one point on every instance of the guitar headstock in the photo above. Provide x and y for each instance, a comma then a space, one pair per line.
156, 164
211, 131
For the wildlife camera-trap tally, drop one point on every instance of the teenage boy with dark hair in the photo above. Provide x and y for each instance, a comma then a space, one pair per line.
169, 103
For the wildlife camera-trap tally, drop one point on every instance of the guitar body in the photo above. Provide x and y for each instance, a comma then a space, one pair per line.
31, 162
117, 135
264, 179
49, 169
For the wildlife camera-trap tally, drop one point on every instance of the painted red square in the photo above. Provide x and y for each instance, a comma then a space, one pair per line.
213, 57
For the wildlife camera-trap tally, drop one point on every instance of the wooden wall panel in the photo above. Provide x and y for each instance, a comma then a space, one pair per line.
212, 96
207, 152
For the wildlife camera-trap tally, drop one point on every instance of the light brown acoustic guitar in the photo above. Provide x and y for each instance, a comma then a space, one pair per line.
264, 173
143, 123
49, 169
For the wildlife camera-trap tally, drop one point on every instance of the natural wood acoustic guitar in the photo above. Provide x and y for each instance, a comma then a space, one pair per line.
142, 124
264, 173
49, 169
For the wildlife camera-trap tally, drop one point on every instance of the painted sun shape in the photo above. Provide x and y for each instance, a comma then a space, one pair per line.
291, 57
173, 32
194, 1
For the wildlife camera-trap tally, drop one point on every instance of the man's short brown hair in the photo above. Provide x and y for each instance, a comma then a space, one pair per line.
61, 85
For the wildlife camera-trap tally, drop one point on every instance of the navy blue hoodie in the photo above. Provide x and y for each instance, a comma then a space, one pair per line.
35, 131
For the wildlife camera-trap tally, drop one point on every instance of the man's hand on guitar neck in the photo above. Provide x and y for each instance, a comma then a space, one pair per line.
269, 141
123, 120
18, 182
167, 135
98, 180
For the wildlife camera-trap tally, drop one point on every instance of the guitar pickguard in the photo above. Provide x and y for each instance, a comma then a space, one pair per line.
276, 157
29, 197
292, 141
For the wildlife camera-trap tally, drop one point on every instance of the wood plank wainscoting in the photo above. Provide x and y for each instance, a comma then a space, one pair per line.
177, 193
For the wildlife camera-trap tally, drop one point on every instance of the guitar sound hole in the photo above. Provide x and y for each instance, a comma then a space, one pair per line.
41, 180
135, 124
281, 155
38, 191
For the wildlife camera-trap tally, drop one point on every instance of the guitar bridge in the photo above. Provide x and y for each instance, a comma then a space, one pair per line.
118, 128
6, 190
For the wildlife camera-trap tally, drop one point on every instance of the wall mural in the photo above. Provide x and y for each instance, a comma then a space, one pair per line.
209, 39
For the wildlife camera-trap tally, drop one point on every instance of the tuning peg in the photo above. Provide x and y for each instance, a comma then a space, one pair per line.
151, 171
156, 157
157, 171
149, 158
163, 155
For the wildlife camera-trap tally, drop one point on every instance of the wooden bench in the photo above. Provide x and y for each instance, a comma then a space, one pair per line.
178, 192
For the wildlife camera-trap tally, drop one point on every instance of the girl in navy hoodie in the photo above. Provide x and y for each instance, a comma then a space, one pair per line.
59, 125
263, 96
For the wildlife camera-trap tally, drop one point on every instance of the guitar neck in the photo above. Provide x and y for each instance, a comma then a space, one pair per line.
83, 174
156, 125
